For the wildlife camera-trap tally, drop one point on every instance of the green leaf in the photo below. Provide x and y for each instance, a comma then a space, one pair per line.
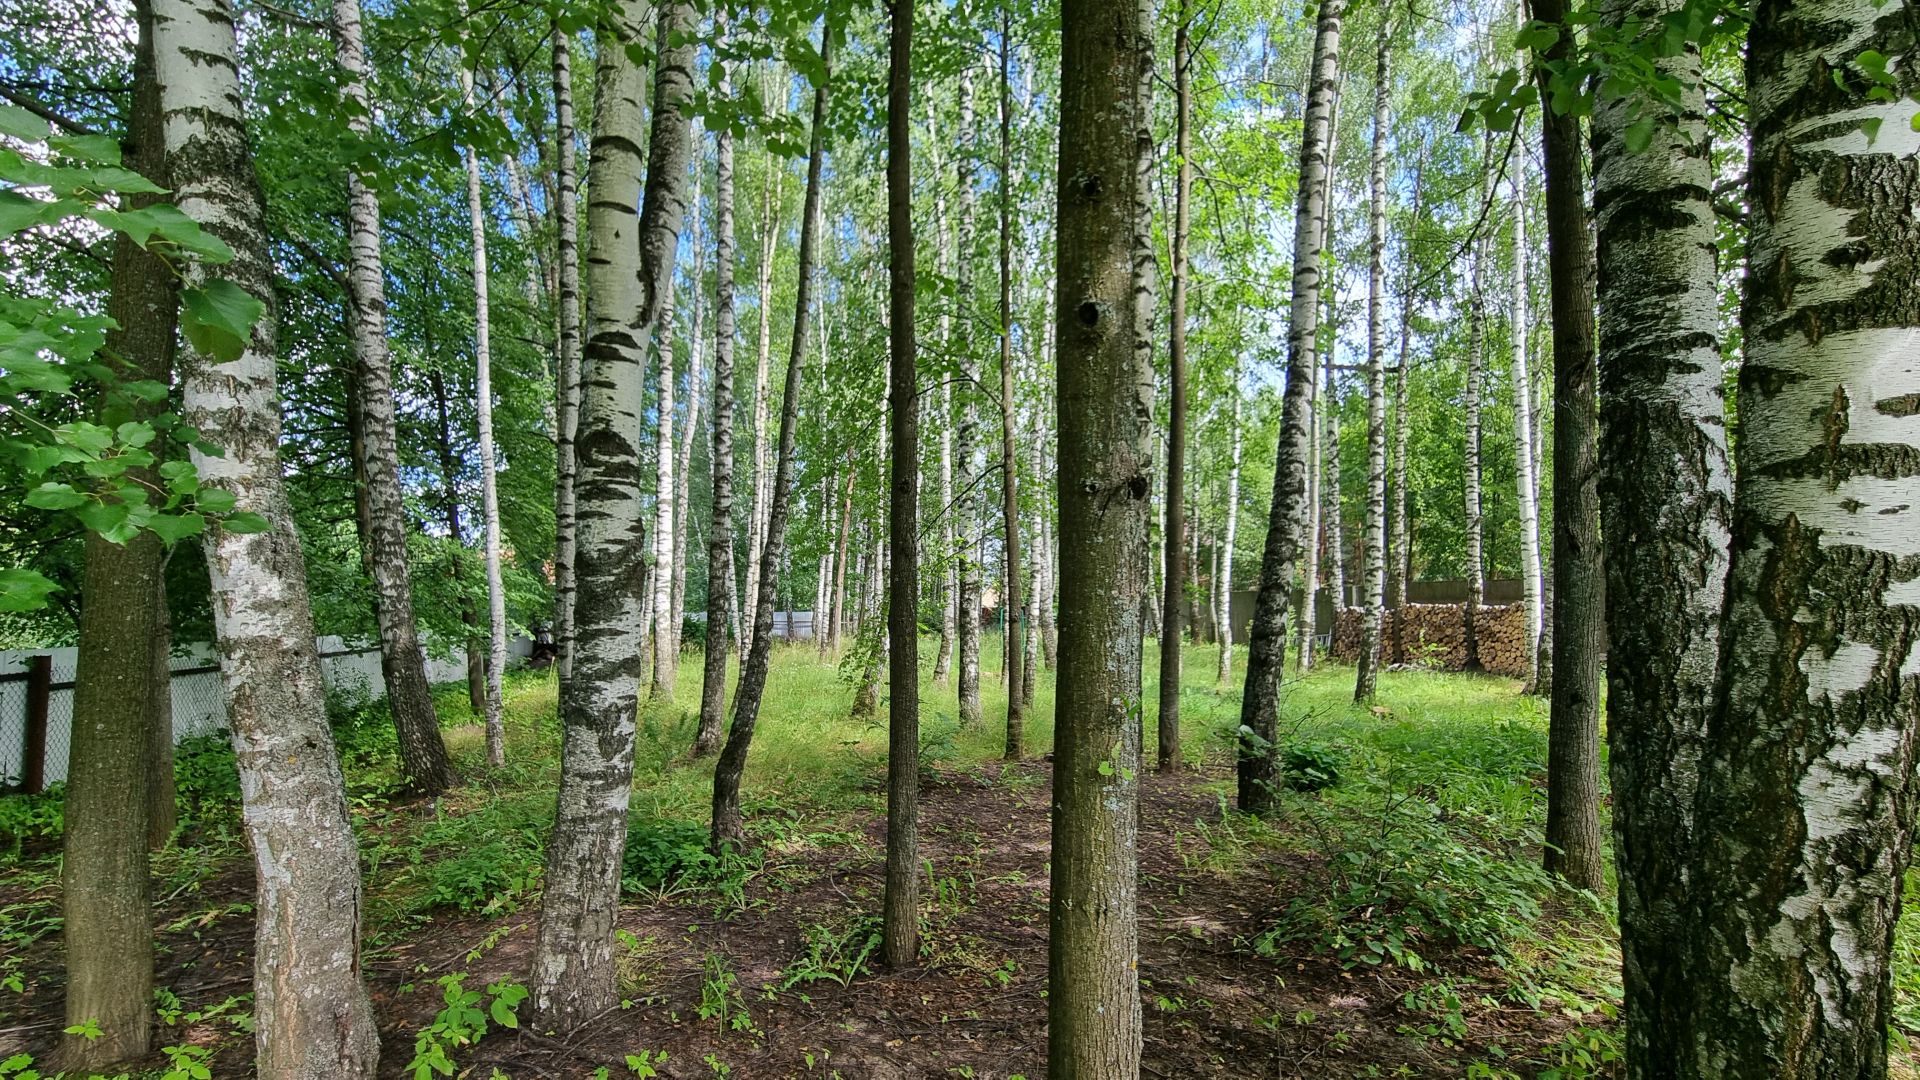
218, 318
215, 500
503, 1014
109, 520
24, 590
52, 496
91, 438
246, 521
166, 222
134, 433
21, 124
1870, 126
145, 389
19, 212
99, 149
1536, 36
1639, 134
172, 528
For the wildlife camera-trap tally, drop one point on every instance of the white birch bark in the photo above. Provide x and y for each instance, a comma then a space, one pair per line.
665, 450
489, 480
1476, 364
1374, 568
567, 378
690, 431
1223, 612
1526, 477
313, 1020
630, 263
762, 393
403, 662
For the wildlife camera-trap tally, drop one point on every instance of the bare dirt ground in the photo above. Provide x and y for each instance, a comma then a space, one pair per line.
974, 1007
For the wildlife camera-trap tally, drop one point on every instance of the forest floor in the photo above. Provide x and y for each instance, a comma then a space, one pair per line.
1392, 922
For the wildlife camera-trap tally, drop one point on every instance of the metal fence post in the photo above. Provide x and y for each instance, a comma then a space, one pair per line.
33, 766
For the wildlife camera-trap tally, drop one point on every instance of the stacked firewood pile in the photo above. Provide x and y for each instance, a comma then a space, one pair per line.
1435, 636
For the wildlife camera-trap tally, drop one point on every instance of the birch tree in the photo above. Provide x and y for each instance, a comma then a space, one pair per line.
1009, 452
1525, 476
1667, 483
1258, 767
1374, 585
1804, 812
689, 431
403, 663
720, 581
312, 1017
1106, 390
630, 262
489, 479
1223, 587
566, 256
769, 247
1476, 569
966, 451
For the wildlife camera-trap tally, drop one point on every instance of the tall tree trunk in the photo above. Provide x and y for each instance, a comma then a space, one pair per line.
1286, 521
840, 567
713, 684
629, 267
403, 663
489, 480
1668, 486
1049, 629
567, 390
450, 509
1526, 477
1805, 813
1332, 503
769, 248
1573, 736
728, 830
111, 806
901, 903
1172, 602
163, 813
1319, 406
311, 1012
1374, 568
968, 537
1009, 451
1476, 374
1106, 390
949, 565
1223, 579
1400, 502
664, 449
689, 431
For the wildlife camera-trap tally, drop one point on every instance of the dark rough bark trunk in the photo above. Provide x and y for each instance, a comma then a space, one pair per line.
567, 390
630, 262
713, 686
1805, 813
727, 828
312, 1015
1668, 488
1258, 772
163, 814
1105, 415
901, 904
1172, 607
122, 679
1573, 737
1017, 675
403, 662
